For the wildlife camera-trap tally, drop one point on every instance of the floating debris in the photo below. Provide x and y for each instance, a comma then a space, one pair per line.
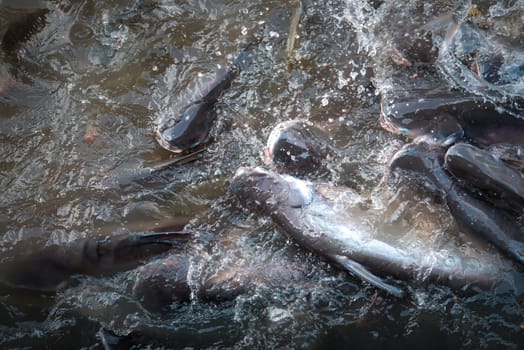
295, 19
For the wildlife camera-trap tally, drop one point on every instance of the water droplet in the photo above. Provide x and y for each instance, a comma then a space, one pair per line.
276, 314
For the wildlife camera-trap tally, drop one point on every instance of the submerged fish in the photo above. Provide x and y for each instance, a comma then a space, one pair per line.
327, 221
47, 268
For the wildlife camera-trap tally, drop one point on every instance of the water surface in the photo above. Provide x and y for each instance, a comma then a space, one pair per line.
79, 101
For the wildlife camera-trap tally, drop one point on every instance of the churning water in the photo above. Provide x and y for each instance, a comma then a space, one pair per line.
80, 96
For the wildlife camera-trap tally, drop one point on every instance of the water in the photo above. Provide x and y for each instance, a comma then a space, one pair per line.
79, 105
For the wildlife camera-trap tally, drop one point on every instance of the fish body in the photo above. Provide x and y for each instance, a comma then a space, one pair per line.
328, 222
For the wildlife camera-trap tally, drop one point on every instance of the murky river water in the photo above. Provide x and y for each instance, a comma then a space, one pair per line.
79, 101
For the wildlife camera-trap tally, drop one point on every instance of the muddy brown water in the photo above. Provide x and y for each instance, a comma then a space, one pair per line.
78, 107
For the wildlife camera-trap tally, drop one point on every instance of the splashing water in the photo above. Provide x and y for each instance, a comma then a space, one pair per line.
99, 74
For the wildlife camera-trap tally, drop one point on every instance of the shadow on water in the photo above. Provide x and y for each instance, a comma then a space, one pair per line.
82, 86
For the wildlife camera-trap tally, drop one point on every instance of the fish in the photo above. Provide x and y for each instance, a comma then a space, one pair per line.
191, 125
298, 146
474, 216
27, 265
328, 221
452, 117
480, 171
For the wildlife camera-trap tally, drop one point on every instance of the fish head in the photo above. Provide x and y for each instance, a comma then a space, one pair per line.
298, 147
270, 191
188, 130
420, 162
421, 117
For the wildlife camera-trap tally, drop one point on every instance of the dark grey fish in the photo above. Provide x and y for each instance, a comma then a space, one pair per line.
27, 266
326, 221
190, 127
446, 119
474, 216
18, 21
298, 147
479, 170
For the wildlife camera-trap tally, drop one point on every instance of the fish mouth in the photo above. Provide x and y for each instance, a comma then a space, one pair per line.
166, 144
272, 140
392, 128
386, 124
271, 189
297, 147
253, 185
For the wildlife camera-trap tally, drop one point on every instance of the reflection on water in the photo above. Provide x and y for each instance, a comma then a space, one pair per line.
80, 95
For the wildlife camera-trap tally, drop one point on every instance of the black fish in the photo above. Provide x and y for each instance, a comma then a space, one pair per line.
191, 126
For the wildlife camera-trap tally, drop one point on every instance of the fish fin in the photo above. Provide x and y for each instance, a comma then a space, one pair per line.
138, 240
156, 169
180, 159
117, 253
364, 274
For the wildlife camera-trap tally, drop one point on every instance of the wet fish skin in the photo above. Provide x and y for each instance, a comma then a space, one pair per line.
456, 116
161, 283
480, 171
48, 268
297, 147
474, 216
18, 23
314, 221
193, 125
